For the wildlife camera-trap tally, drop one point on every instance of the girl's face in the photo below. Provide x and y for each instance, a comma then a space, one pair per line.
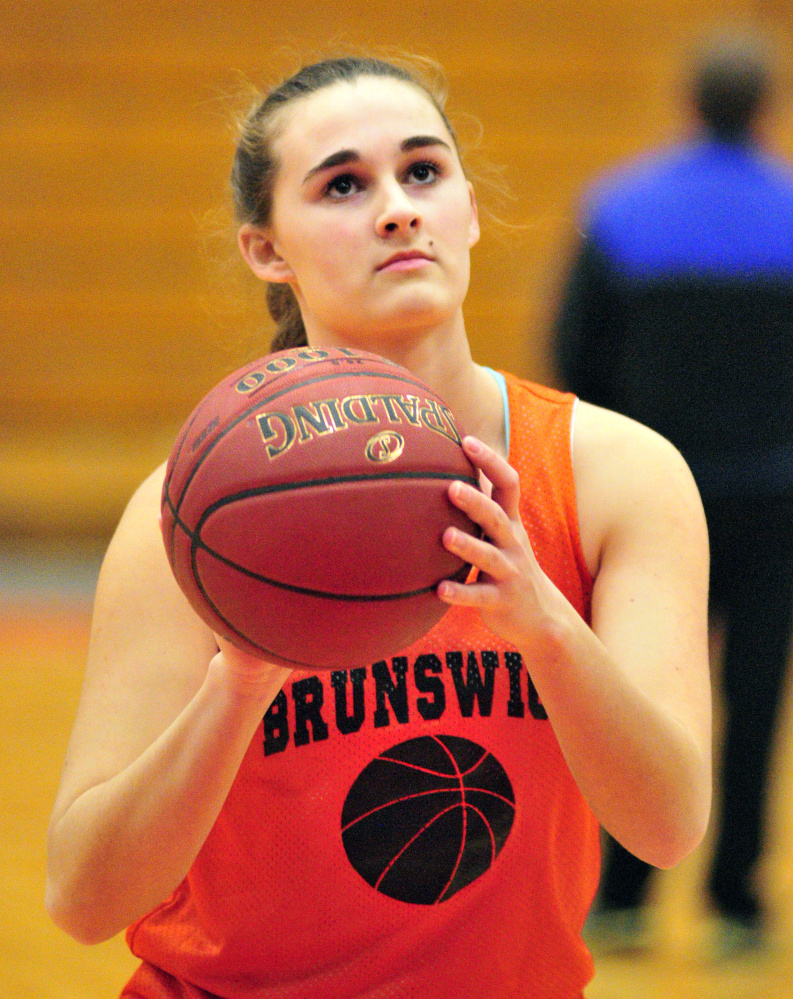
372, 219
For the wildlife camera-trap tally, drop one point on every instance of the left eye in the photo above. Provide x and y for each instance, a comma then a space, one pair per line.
423, 173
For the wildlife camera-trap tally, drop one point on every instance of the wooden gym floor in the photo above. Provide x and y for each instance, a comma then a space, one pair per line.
44, 617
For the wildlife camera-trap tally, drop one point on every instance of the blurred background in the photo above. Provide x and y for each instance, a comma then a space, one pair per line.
121, 304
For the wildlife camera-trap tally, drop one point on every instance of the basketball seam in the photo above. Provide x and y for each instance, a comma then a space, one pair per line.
330, 480
169, 475
395, 376
232, 628
257, 645
197, 544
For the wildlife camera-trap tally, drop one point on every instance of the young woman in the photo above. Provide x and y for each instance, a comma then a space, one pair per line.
214, 803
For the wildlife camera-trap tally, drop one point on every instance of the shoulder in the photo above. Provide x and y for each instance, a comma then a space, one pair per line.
776, 173
136, 569
618, 188
141, 519
148, 493
630, 481
625, 213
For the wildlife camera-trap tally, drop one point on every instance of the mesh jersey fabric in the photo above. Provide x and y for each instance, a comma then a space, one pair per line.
405, 830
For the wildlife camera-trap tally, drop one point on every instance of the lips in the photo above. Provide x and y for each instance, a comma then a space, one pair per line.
404, 260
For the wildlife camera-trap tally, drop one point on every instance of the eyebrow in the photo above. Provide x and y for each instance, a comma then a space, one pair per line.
343, 156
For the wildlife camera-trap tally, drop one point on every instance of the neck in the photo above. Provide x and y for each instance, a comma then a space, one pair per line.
442, 359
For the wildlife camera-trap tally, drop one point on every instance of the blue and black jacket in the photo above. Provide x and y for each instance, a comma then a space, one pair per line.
679, 309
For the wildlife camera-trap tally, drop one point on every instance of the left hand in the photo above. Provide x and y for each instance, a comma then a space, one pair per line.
513, 595
249, 673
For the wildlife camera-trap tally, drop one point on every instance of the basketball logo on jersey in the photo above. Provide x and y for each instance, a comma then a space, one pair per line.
427, 817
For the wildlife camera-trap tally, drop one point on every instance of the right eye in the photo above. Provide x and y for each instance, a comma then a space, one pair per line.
342, 186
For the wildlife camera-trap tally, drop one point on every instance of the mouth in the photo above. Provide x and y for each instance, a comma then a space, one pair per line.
407, 260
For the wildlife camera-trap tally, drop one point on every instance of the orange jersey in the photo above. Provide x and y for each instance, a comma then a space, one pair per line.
408, 830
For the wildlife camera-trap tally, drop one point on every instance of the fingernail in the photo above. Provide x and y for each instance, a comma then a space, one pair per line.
472, 445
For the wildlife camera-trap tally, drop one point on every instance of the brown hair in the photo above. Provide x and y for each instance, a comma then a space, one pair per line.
255, 166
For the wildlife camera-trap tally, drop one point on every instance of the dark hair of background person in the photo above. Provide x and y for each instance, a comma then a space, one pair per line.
731, 84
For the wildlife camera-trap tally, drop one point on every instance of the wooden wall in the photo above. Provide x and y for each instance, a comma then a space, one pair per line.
117, 307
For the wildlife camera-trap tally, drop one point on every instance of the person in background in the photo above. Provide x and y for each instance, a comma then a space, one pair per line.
678, 312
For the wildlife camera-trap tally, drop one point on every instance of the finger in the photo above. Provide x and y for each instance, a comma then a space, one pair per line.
502, 476
479, 595
483, 510
479, 553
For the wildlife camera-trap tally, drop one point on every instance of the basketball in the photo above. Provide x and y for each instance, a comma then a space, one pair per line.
304, 504
427, 817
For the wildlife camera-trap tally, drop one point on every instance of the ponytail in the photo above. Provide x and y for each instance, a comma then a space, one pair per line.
285, 311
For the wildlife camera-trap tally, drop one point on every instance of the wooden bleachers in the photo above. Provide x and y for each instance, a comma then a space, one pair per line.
115, 148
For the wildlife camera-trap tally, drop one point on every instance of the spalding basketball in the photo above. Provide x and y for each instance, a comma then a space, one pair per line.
304, 504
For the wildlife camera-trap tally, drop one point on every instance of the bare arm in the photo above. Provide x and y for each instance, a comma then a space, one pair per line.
629, 699
163, 723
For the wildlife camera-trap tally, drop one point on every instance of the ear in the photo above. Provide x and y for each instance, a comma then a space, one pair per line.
260, 254
473, 228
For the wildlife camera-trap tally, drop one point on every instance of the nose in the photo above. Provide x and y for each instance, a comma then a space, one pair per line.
398, 214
